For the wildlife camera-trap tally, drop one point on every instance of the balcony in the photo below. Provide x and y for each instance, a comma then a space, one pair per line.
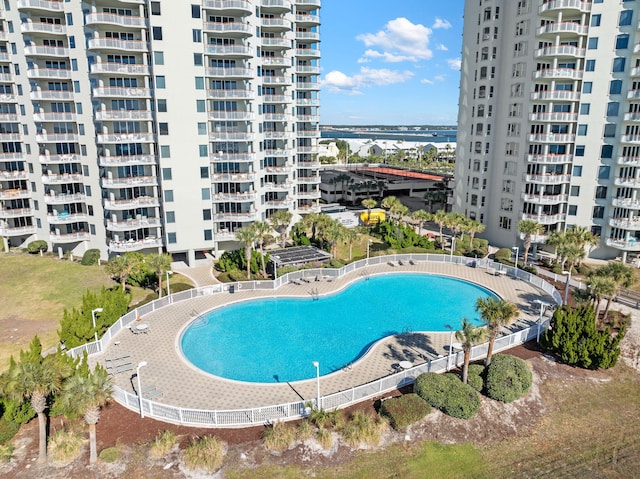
308, 36
236, 217
54, 117
556, 95
232, 157
279, 170
65, 217
307, 52
17, 230
303, 164
14, 194
234, 177
129, 182
232, 136
307, 102
534, 238
51, 95
59, 238
550, 159
116, 44
555, 117
48, 28
305, 209
275, 187
276, 80
58, 159
51, 6
560, 51
307, 133
122, 92
11, 156
240, 5
627, 181
132, 245
277, 61
117, 115
10, 137
62, 198
277, 135
307, 69
632, 116
57, 137
565, 5
552, 138
307, 19
629, 160
236, 94
635, 71
42, 50
276, 43
127, 160
276, 99
545, 199
15, 212
626, 223
9, 117
133, 224
4, 57
633, 94
308, 149
279, 204
121, 68
311, 3
275, 24
131, 203
308, 118
563, 27
113, 19
276, 4
14, 175
544, 219
52, 179
625, 245
237, 27
558, 73
231, 115
633, 139
229, 72
234, 197
231, 50
548, 179
628, 203
309, 194
307, 86
309, 180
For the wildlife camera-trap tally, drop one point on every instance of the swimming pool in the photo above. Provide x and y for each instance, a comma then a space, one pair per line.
276, 340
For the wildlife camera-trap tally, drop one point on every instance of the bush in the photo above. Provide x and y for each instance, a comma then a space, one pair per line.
433, 388
304, 430
503, 254
404, 410
363, 428
324, 438
110, 454
279, 436
205, 453
38, 246
90, 257
508, 378
162, 444
6, 452
64, 446
475, 377
8, 429
449, 394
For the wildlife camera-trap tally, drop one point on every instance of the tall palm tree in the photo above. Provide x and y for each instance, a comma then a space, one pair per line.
622, 276
159, 263
469, 335
390, 203
529, 229
120, 267
440, 218
350, 236
601, 287
369, 204
495, 313
280, 220
262, 229
35, 378
247, 236
473, 228
85, 393
334, 233
421, 217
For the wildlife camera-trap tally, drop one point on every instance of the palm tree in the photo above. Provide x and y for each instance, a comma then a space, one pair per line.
334, 233
310, 222
120, 267
262, 229
390, 203
85, 393
440, 218
421, 217
468, 336
495, 314
529, 229
342, 178
473, 228
622, 276
35, 378
369, 204
280, 220
159, 263
247, 236
350, 236
600, 287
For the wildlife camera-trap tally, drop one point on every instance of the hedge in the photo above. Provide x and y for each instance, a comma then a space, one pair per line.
90, 257
404, 410
433, 388
508, 378
38, 246
475, 377
449, 394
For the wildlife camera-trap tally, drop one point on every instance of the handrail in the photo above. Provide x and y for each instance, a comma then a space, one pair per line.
341, 399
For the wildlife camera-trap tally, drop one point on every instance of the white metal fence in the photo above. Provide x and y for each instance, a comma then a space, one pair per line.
295, 410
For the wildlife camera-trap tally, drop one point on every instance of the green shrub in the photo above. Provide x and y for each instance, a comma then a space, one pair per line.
64, 446
475, 377
279, 436
503, 254
110, 454
6, 452
363, 428
90, 257
162, 445
206, 453
462, 400
304, 430
19, 412
404, 410
38, 246
508, 378
8, 429
433, 388
324, 438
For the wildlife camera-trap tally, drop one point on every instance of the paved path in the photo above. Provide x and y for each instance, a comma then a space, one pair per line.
185, 386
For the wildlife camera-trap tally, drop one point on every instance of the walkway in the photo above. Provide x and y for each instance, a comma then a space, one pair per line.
185, 386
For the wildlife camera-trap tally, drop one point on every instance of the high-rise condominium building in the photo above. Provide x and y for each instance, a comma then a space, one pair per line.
549, 115
135, 125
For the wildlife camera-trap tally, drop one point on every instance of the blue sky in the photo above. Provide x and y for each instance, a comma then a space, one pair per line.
390, 62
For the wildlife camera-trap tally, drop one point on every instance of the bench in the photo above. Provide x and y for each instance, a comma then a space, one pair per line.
119, 365
148, 389
120, 369
118, 357
153, 394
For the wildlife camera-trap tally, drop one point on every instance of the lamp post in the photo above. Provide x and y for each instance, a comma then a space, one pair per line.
316, 364
450, 328
542, 306
517, 250
93, 321
453, 246
141, 364
566, 286
169, 273
369, 241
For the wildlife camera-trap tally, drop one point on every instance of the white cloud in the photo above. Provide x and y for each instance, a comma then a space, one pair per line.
455, 63
437, 78
337, 82
440, 23
426, 81
442, 48
399, 41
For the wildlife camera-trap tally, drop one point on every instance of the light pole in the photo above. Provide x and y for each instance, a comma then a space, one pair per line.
450, 328
141, 364
316, 364
369, 241
566, 286
542, 306
453, 246
168, 286
93, 321
517, 250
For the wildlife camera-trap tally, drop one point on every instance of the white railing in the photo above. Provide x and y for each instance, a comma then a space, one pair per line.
341, 399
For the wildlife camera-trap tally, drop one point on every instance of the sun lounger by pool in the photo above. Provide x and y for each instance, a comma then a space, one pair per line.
119, 356
391, 263
411, 262
295, 281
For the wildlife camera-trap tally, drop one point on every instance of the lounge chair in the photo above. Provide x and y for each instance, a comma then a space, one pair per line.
295, 281
391, 263
400, 263
411, 262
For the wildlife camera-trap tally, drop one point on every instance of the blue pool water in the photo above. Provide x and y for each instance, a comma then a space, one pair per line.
277, 339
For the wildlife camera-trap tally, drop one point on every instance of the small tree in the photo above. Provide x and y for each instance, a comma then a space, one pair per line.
280, 221
495, 314
529, 229
119, 267
469, 335
159, 263
247, 236
369, 204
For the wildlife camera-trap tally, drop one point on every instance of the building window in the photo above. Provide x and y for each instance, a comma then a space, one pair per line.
195, 11
622, 41
595, 20
625, 18
584, 108
201, 106
170, 216
196, 34
592, 43
203, 150
598, 212
165, 151
208, 235
606, 151
205, 193
168, 196
603, 172
582, 130
202, 128
587, 87
601, 192
171, 238
575, 191
197, 59
573, 210
157, 33
87, 190
161, 82
204, 172
609, 130
158, 58
579, 150
613, 108
615, 87
577, 170
199, 83
166, 174
506, 204
590, 66
155, 8
163, 128
206, 215
505, 222
162, 105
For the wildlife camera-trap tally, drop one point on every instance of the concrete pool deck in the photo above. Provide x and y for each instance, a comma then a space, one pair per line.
183, 385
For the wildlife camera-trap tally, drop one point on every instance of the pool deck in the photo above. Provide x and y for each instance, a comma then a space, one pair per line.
185, 386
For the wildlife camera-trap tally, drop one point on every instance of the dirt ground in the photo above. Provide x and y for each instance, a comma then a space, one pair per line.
124, 429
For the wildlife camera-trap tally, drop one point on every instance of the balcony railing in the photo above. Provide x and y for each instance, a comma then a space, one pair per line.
629, 160
228, 5
235, 177
232, 157
116, 44
234, 197
133, 224
51, 95
556, 95
127, 160
234, 50
128, 182
43, 50
236, 217
231, 115
555, 116
228, 27
16, 212
229, 72
130, 203
58, 159
57, 137
563, 27
54, 117
554, 73
110, 18
565, 5
37, 27
630, 139
122, 92
14, 194
552, 138
231, 94
126, 138
545, 199
625, 245
10, 137
627, 181
231, 136
132, 245
17, 230
53, 6
65, 218
308, 19
626, 223
307, 52
550, 159
57, 179
548, 179
69, 237
122, 68
136, 115
544, 219
57, 199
